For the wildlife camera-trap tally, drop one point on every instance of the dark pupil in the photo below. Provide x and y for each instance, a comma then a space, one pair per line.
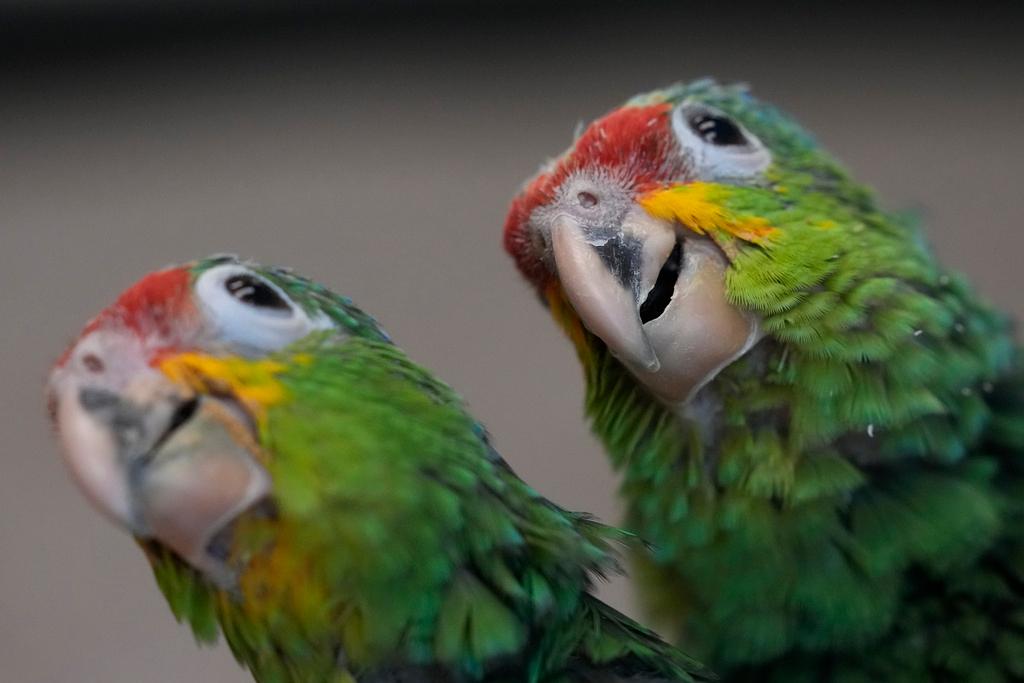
717, 130
252, 291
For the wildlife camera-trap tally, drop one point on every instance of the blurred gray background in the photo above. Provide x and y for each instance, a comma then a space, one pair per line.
375, 147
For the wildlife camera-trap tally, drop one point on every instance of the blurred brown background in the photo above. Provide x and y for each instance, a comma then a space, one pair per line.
375, 147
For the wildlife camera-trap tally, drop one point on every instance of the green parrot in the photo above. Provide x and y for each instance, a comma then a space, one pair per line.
301, 486
819, 429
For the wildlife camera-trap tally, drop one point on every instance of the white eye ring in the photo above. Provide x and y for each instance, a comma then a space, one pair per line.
250, 313
741, 155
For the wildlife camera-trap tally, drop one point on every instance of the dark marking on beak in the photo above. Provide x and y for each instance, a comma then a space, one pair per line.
620, 254
132, 425
126, 421
95, 400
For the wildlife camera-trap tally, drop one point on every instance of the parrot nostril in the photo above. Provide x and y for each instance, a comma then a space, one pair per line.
93, 363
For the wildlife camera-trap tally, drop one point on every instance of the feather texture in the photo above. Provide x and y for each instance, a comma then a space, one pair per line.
397, 544
846, 503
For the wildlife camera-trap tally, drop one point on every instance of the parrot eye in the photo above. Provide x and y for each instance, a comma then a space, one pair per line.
717, 146
251, 313
716, 130
254, 292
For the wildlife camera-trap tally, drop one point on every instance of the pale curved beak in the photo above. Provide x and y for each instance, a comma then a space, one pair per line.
655, 293
156, 458
601, 276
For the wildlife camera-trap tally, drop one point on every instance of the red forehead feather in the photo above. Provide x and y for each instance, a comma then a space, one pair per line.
632, 142
156, 299
154, 305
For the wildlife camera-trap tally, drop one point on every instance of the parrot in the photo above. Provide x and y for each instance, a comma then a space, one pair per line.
817, 427
303, 488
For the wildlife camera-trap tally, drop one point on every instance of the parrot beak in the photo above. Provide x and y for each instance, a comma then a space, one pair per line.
158, 459
655, 294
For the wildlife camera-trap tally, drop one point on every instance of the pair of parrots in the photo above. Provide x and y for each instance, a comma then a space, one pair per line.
820, 434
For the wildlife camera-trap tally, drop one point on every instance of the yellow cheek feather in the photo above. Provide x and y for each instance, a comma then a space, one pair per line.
254, 383
701, 208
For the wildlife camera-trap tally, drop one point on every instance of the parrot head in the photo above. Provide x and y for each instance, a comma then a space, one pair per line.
158, 402
678, 225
